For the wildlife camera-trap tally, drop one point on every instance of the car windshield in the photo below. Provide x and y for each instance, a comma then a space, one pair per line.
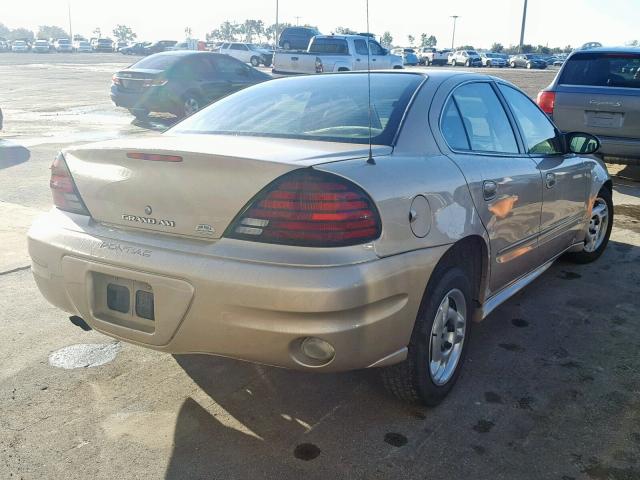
603, 70
331, 108
42, 42
472, 52
63, 42
19, 43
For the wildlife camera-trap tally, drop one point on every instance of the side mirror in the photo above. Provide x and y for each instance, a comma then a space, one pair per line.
583, 143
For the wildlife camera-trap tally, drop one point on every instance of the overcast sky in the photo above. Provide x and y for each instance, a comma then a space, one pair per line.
481, 22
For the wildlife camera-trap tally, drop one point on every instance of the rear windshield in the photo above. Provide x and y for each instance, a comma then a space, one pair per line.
329, 45
157, 62
602, 70
332, 108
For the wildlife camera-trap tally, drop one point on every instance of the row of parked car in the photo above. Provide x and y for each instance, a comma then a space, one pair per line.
471, 58
60, 45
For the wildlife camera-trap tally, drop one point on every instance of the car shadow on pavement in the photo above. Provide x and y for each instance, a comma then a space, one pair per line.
12, 154
261, 422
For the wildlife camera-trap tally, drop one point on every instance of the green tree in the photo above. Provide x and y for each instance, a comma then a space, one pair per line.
4, 31
411, 39
634, 43
270, 31
21, 34
428, 40
345, 31
51, 31
387, 39
124, 34
466, 47
497, 47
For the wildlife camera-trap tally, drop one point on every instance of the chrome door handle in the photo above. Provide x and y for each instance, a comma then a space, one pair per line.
489, 189
550, 180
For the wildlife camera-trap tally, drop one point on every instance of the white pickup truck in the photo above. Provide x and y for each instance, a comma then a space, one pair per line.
432, 56
336, 53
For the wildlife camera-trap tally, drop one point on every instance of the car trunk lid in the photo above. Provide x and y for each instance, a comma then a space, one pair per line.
189, 185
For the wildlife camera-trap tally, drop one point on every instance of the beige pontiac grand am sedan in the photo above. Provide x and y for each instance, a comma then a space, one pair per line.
264, 228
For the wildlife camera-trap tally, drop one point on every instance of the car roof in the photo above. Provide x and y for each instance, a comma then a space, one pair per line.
609, 50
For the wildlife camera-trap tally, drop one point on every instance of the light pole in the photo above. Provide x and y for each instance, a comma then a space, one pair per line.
277, 24
298, 20
524, 22
453, 37
70, 29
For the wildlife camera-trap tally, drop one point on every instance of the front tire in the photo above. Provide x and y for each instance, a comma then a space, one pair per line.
598, 231
255, 61
438, 343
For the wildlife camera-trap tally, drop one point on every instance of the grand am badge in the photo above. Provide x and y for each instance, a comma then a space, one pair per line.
149, 221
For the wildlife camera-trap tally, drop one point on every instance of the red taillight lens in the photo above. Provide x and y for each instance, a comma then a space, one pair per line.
116, 80
64, 191
311, 209
547, 101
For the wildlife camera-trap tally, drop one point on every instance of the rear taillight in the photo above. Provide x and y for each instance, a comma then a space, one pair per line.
311, 209
546, 101
116, 80
64, 191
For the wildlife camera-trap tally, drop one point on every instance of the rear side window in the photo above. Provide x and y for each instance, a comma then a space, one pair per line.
329, 45
602, 70
453, 128
484, 119
539, 133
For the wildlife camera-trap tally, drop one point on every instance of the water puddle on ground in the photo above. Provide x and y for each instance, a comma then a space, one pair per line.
84, 355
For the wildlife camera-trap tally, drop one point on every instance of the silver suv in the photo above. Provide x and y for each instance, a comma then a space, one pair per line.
598, 91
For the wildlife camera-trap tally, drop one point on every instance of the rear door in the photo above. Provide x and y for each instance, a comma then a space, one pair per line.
361, 56
564, 176
600, 93
504, 182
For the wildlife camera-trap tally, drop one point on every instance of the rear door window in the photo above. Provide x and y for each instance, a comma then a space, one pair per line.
484, 119
602, 70
361, 47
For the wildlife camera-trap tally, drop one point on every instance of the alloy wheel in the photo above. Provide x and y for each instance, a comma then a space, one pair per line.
447, 337
598, 225
191, 106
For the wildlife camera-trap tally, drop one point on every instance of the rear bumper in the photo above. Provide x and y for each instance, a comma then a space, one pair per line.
620, 150
154, 99
258, 312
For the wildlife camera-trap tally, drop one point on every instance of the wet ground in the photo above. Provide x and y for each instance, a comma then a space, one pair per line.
551, 388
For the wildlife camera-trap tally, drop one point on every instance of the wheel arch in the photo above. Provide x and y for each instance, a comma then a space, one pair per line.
470, 253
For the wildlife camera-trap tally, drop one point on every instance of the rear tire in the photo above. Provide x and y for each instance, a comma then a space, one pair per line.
190, 104
598, 231
439, 341
513, 65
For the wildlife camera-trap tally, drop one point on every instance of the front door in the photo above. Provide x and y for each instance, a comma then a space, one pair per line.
504, 182
379, 57
564, 176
